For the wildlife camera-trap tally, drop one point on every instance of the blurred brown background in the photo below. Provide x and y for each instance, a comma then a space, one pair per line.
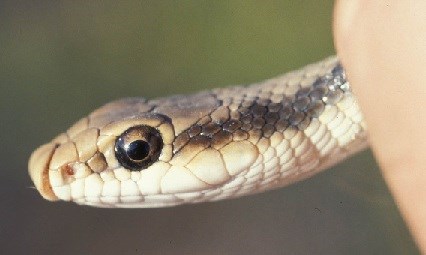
61, 59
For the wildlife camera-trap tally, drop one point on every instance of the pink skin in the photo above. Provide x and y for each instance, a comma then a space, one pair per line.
382, 46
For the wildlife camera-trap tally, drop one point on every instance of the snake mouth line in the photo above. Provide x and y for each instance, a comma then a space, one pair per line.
39, 170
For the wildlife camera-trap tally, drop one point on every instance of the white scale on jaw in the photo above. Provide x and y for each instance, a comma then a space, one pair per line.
213, 145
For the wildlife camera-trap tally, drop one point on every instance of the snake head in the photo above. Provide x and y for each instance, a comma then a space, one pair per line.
207, 146
134, 152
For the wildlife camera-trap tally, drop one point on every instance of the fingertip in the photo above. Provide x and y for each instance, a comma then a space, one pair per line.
382, 46
351, 37
343, 22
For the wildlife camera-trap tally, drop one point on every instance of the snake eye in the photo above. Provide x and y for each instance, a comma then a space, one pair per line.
138, 147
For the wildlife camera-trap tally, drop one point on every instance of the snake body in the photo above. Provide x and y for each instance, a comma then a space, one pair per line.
208, 146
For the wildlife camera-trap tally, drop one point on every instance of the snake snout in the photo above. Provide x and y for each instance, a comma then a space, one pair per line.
38, 168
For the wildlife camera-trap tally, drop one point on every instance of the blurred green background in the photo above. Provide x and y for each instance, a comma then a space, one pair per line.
61, 59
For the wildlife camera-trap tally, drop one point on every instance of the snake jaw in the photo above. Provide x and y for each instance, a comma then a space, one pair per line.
38, 168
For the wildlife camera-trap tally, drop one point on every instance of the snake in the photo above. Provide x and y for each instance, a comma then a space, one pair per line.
207, 146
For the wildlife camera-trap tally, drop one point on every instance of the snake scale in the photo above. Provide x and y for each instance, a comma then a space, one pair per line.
207, 146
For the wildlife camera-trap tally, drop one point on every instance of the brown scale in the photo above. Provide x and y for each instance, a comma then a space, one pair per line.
180, 141
240, 135
220, 115
286, 112
258, 122
282, 124
301, 103
246, 104
274, 107
244, 110
220, 139
318, 93
194, 130
247, 119
210, 129
303, 92
296, 118
204, 120
97, 163
231, 125
304, 123
193, 147
255, 135
198, 141
315, 109
246, 127
260, 113
271, 117
258, 110
268, 130
235, 115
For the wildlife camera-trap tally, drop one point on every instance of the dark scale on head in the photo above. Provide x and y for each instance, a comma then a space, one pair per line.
258, 122
274, 107
221, 138
194, 130
232, 125
210, 129
271, 117
246, 127
268, 130
258, 110
138, 147
260, 113
180, 141
247, 119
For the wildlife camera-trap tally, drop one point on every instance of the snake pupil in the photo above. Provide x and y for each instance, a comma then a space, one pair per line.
138, 147
138, 150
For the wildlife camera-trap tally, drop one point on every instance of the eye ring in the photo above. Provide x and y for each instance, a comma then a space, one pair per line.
138, 147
